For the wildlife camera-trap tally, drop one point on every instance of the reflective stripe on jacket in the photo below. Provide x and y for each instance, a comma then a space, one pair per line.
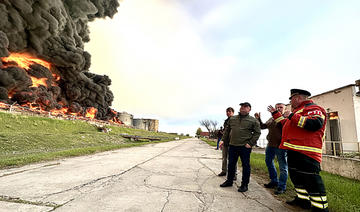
303, 130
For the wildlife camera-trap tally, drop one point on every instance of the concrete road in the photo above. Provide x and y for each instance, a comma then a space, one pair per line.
171, 176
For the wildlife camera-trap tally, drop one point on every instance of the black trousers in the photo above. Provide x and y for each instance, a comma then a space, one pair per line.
244, 153
304, 173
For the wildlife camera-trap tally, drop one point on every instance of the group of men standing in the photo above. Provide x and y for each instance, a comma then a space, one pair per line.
295, 137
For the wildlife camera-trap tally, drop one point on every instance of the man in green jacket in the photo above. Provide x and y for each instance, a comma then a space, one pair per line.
243, 131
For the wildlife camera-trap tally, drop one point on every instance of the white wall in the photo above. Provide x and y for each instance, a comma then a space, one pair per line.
342, 101
357, 115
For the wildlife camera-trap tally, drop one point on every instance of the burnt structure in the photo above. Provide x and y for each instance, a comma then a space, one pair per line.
53, 31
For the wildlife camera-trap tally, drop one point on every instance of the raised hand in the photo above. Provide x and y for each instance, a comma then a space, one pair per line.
257, 115
271, 109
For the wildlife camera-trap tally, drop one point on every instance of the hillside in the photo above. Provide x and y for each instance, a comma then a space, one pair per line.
28, 139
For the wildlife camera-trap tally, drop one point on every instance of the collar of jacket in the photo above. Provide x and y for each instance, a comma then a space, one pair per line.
304, 103
243, 116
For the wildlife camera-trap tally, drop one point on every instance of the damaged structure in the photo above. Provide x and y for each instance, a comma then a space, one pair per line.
144, 124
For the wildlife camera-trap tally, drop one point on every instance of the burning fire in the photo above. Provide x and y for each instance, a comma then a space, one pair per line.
38, 81
25, 60
115, 119
91, 112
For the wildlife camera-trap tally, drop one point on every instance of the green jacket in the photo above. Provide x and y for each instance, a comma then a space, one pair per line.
226, 141
242, 130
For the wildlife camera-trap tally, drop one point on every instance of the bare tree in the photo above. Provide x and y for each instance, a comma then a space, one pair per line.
206, 123
213, 125
210, 125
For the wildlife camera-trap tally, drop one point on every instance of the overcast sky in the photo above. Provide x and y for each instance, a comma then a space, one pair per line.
181, 61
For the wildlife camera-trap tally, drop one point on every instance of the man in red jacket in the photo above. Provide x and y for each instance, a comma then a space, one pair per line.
302, 137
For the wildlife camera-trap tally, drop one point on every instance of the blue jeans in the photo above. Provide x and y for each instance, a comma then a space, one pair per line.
281, 155
244, 153
218, 141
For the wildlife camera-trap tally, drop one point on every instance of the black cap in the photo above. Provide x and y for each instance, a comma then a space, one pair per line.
245, 104
294, 92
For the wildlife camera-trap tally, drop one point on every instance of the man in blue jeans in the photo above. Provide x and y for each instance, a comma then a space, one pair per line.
272, 150
242, 131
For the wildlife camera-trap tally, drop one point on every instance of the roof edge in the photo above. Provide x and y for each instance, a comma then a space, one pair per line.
332, 90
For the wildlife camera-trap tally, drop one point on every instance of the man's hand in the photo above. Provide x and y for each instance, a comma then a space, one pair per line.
257, 115
247, 146
271, 109
221, 144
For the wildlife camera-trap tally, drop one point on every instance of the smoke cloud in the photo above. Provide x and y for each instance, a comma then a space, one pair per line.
54, 31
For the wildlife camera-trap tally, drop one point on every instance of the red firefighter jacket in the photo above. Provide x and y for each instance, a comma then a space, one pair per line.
303, 130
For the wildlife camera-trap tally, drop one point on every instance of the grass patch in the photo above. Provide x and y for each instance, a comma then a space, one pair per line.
342, 193
211, 142
29, 139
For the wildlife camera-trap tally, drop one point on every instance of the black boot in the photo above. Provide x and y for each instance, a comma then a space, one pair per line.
243, 188
222, 174
226, 184
271, 185
305, 204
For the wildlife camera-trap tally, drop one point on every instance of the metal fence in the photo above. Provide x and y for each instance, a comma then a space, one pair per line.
338, 148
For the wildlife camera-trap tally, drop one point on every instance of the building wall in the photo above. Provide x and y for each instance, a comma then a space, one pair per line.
342, 101
139, 124
146, 124
357, 116
345, 167
153, 125
126, 118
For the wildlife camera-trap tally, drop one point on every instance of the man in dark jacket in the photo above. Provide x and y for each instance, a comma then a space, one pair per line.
243, 131
272, 150
224, 145
219, 135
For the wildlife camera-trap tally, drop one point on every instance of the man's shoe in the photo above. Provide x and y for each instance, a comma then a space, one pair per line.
222, 174
226, 184
279, 191
271, 185
305, 204
243, 188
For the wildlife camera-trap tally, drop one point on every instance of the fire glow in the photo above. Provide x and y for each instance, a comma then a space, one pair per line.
24, 61
91, 113
37, 82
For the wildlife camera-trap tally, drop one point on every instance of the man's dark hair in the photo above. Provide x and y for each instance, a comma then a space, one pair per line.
230, 109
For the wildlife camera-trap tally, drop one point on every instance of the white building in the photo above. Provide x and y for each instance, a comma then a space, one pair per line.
343, 111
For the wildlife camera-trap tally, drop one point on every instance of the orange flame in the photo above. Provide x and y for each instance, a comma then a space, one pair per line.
25, 60
56, 77
59, 111
38, 81
91, 112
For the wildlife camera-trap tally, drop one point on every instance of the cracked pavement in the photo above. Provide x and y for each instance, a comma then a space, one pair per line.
171, 176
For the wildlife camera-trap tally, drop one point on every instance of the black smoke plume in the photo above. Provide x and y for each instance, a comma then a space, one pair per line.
54, 31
